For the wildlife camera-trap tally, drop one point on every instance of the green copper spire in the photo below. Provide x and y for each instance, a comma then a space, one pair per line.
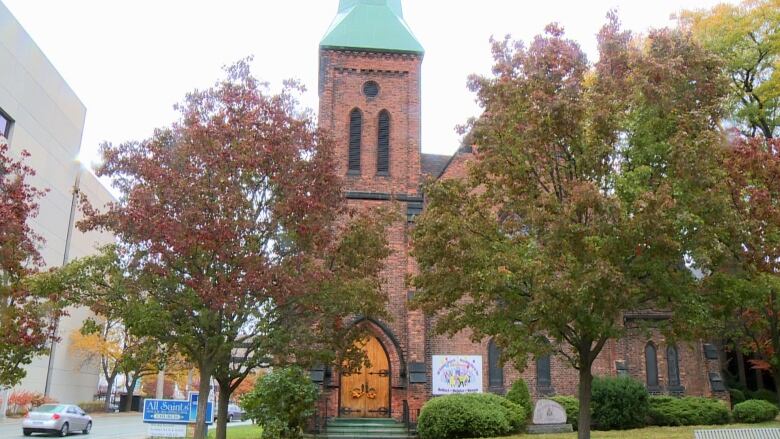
371, 24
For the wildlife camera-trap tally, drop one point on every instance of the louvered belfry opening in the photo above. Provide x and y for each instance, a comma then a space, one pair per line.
383, 144
355, 134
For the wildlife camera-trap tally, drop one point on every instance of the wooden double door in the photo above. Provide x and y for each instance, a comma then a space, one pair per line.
366, 393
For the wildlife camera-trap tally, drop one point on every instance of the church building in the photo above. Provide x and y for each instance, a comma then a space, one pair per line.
370, 68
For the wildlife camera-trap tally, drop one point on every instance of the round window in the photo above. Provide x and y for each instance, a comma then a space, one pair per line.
371, 89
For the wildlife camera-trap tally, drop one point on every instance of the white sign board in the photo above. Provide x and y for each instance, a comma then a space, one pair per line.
457, 374
167, 430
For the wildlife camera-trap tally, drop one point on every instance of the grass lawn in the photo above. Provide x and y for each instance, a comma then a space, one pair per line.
242, 432
649, 432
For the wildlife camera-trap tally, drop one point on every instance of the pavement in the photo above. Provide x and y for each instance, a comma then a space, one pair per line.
105, 426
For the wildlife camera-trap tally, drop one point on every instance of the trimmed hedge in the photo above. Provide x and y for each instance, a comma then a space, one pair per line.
619, 403
93, 406
572, 406
755, 410
690, 410
737, 396
520, 395
471, 415
763, 395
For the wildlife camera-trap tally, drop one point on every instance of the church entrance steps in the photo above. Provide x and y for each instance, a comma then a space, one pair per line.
365, 428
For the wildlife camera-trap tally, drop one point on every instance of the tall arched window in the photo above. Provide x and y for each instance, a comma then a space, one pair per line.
383, 144
673, 366
543, 374
355, 136
651, 366
495, 371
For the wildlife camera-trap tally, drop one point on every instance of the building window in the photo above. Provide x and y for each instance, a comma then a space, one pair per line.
383, 144
651, 366
5, 124
355, 136
495, 371
543, 375
673, 366
371, 89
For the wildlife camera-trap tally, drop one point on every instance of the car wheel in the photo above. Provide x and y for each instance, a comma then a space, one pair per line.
26, 432
88, 429
65, 430
230, 418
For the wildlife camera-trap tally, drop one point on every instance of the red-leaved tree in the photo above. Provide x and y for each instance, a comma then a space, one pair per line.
234, 217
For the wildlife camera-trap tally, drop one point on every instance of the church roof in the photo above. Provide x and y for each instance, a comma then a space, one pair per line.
371, 24
433, 164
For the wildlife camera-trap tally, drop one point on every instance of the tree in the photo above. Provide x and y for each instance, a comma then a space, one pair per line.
747, 37
235, 220
591, 188
746, 289
28, 309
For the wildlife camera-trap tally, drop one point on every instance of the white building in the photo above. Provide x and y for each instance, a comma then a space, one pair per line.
41, 114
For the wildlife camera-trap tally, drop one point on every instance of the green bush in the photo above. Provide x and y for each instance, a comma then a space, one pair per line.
572, 406
755, 410
669, 411
93, 406
763, 395
619, 403
472, 415
737, 396
281, 403
520, 395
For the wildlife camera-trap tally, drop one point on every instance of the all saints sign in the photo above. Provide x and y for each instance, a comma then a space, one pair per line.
453, 374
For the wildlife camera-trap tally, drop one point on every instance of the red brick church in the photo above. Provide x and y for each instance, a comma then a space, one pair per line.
369, 89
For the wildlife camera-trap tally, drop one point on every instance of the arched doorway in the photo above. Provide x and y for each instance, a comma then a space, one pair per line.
366, 393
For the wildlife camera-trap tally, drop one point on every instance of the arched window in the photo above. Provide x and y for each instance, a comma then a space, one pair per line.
673, 366
383, 144
543, 375
651, 366
495, 371
355, 136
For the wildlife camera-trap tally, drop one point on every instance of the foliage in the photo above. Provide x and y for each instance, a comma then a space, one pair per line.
619, 403
247, 246
572, 406
669, 411
736, 396
21, 401
590, 186
469, 415
763, 395
747, 37
754, 411
520, 395
28, 310
281, 402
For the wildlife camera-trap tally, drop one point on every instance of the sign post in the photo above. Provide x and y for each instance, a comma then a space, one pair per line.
169, 418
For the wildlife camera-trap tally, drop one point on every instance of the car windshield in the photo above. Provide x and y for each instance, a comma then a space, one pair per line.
49, 408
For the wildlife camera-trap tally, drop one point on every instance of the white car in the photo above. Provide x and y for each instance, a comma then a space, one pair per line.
59, 419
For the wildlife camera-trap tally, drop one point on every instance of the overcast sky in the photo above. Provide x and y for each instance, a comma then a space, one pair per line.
130, 60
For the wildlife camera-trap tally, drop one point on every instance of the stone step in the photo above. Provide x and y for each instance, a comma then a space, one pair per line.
365, 428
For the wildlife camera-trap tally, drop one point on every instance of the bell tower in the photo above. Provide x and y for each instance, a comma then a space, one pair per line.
369, 93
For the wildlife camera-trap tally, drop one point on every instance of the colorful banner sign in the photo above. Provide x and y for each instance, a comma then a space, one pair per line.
457, 374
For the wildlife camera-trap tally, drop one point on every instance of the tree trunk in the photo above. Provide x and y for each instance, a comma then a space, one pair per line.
160, 393
759, 379
109, 389
222, 410
741, 368
130, 391
586, 381
203, 397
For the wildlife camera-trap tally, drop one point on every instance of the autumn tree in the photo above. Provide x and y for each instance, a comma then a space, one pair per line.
592, 187
234, 218
27, 310
747, 37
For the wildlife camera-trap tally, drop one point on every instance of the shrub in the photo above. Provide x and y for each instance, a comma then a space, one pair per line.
755, 410
281, 402
737, 396
763, 395
93, 406
619, 403
519, 395
472, 415
21, 401
572, 406
668, 411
